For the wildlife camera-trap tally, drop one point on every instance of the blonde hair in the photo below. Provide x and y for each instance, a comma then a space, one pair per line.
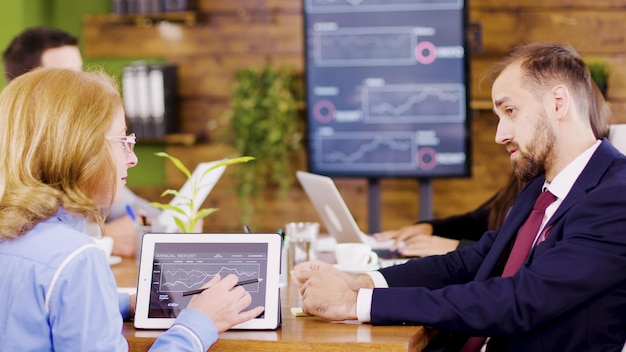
53, 146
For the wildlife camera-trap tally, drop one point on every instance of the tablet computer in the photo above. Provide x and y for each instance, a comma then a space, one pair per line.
172, 264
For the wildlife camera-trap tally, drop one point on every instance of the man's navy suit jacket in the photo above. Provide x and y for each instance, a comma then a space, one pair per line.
569, 296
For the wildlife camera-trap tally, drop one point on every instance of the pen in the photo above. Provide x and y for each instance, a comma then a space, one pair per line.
131, 213
144, 219
281, 233
246, 229
240, 283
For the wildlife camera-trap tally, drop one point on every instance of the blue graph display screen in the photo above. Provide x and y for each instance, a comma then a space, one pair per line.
181, 267
387, 88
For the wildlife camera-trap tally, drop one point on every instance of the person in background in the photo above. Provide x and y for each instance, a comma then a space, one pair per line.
56, 176
49, 47
553, 276
440, 236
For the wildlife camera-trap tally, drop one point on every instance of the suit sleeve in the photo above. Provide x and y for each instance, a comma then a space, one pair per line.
438, 271
583, 258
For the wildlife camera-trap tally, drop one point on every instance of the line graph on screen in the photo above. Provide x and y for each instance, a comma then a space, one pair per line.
179, 277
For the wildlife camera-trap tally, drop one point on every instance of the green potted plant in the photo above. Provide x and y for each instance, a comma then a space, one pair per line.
265, 123
600, 73
185, 216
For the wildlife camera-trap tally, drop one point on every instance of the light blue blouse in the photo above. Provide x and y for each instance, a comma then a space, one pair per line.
59, 294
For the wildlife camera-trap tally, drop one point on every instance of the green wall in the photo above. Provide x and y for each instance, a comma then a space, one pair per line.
17, 15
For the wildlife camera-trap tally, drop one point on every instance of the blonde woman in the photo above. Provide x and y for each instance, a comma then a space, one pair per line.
65, 156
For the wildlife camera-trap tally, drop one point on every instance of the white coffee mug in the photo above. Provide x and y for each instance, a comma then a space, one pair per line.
355, 256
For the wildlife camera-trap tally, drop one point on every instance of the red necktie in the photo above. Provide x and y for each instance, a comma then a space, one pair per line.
527, 234
524, 241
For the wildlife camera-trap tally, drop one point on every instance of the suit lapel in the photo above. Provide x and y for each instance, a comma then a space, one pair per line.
504, 238
588, 179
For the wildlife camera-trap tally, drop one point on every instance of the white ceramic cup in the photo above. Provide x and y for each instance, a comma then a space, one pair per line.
106, 244
355, 256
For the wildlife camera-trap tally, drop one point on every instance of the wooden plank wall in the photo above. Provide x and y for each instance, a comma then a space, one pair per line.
234, 34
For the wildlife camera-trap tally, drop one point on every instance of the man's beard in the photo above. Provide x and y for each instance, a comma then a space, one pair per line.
533, 163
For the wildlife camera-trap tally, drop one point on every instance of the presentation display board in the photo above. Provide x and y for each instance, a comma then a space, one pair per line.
387, 88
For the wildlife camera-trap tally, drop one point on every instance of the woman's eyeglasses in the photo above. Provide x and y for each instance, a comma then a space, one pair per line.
128, 142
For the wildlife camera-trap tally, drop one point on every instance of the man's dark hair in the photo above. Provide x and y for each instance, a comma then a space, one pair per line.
25, 51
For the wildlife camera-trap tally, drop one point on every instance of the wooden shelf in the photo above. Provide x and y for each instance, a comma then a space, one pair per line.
481, 104
188, 18
181, 139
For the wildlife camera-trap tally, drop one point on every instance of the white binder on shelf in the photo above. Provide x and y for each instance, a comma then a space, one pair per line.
150, 94
163, 99
130, 96
143, 99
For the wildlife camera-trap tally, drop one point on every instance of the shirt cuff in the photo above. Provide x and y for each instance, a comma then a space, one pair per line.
364, 305
123, 299
378, 279
200, 325
364, 297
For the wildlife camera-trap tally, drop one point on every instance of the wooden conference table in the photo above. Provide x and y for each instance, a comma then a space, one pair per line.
295, 334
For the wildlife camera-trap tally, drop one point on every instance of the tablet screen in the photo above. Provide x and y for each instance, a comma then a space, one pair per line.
173, 264
181, 267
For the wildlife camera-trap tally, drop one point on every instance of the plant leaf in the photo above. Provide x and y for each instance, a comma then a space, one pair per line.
226, 162
202, 213
182, 225
168, 207
168, 192
179, 164
186, 206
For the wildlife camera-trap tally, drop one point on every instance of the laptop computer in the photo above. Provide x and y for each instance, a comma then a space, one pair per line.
338, 219
166, 218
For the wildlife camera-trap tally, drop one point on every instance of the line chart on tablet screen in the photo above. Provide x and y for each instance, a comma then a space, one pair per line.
180, 277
